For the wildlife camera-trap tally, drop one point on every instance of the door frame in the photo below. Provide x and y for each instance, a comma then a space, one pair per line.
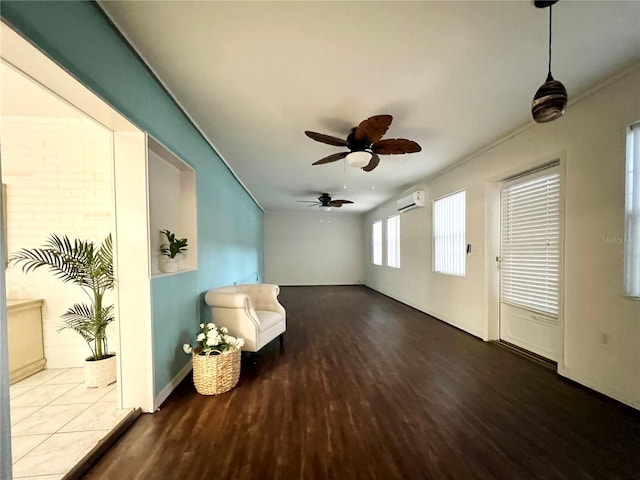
135, 387
493, 239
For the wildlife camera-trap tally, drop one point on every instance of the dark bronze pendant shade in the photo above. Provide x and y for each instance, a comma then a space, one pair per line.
551, 98
549, 101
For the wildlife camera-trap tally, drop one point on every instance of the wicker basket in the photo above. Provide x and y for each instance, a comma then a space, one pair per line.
215, 374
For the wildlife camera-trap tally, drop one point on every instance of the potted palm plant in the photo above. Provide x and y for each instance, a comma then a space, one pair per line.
81, 263
171, 249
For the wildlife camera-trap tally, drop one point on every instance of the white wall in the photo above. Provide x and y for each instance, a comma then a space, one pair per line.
313, 249
164, 196
172, 202
590, 143
58, 173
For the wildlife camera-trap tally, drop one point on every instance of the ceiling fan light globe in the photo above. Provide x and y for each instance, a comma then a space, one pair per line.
325, 208
358, 159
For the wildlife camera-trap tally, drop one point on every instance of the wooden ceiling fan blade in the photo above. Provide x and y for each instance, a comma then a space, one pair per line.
373, 163
339, 203
372, 129
395, 146
328, 139
331, 158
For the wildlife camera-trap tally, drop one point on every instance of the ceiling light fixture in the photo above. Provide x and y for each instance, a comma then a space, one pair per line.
325, 208
358, 159
550, 100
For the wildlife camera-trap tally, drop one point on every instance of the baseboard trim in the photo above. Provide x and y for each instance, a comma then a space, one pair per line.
432, 314
170, 387
599, 388
91, 458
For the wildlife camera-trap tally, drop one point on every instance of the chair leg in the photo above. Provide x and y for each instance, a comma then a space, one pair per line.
281, 338
251, 357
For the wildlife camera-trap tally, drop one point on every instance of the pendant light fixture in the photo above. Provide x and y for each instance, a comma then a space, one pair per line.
551, 98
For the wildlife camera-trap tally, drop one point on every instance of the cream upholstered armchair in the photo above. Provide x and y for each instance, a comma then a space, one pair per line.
249, 311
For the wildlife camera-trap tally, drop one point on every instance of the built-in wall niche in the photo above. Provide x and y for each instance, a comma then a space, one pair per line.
172, 206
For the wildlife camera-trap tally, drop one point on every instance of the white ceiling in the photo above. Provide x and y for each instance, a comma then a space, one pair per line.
456, 76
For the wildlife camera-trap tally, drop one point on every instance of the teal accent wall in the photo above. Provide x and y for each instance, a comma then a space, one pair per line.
77, 36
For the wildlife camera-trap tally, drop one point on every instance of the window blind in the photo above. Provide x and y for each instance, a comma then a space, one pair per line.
632, 215
393, 241
376, 242
530, 248
449, 243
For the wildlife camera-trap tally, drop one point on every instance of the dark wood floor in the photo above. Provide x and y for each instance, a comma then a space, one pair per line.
368, 388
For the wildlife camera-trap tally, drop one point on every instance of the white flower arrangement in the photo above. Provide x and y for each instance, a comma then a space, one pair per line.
213, 341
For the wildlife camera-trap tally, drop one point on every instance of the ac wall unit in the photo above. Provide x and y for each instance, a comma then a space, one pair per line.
411, 201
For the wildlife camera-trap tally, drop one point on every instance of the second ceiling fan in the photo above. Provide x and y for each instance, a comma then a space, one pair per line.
325, 202
365, 143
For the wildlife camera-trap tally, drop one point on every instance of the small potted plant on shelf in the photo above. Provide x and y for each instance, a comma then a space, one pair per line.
170, 250
81, 263
216, 359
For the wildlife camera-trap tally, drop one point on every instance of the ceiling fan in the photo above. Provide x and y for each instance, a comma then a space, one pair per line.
365, 144
325, 202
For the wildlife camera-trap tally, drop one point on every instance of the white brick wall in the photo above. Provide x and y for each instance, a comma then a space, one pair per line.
58, 173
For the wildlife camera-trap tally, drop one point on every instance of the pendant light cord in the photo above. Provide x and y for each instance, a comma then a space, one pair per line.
550, 7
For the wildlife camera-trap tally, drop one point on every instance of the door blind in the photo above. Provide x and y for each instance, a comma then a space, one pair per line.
531, 242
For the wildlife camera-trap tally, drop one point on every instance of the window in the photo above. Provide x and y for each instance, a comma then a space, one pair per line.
632, 215
376, 242
530, 245
449, 234
393, 241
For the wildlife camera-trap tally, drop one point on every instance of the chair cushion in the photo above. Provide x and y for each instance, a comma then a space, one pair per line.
268, 319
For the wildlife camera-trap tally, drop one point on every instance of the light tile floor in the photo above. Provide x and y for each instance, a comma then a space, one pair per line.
56, 420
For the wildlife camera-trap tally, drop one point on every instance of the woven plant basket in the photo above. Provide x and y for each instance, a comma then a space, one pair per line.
215, 374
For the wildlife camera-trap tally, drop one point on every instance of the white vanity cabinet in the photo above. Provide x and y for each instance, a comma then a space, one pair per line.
26, 350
